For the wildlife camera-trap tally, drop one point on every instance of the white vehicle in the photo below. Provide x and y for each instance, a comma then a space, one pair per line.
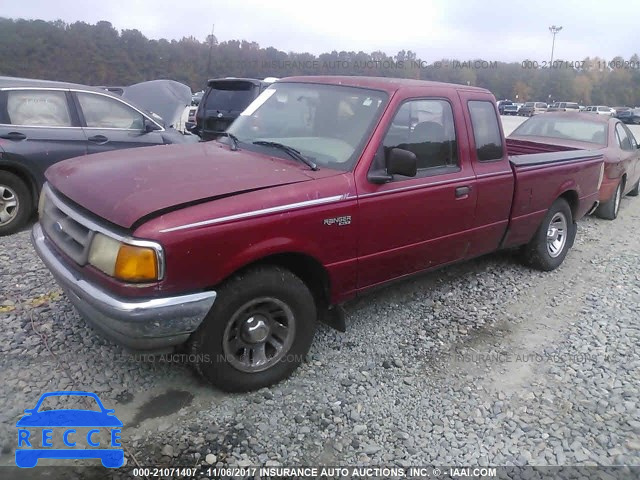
600, 110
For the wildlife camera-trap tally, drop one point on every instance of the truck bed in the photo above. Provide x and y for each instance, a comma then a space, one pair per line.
543, 177
524, 147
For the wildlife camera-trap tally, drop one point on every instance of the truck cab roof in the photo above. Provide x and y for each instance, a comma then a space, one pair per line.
380, 83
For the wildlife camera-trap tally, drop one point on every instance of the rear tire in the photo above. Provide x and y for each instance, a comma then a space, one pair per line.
235, 348
610, 209
635, 191
551, 243
16, 204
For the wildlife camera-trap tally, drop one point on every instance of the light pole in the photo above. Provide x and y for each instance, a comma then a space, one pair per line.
554, 30
211, 48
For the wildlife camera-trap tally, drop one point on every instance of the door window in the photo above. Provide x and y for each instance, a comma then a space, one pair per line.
46, 108
101, 111
426, 128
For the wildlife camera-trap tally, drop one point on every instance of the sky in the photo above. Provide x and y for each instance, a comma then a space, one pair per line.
506, 30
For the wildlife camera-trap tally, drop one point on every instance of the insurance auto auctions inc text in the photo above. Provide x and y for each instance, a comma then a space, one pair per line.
351, 472
365, 64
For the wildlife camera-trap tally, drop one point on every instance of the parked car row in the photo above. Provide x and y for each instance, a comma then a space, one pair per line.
630, 116
528, 109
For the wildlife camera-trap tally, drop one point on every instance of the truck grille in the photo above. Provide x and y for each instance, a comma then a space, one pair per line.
65, 228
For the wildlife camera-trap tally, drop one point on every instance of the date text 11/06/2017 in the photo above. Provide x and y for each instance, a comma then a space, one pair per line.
581, 64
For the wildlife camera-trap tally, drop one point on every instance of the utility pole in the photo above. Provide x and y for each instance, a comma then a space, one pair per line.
210, 50
554, 30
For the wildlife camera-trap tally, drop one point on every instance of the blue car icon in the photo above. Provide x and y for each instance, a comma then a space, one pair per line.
32, 447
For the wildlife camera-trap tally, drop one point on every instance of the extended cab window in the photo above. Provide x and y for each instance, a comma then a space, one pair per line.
47, 108
101, 111
486, 130
426, 128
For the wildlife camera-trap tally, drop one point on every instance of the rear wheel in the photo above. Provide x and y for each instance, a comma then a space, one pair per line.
16, 204
609, 210
257, 333
549, 246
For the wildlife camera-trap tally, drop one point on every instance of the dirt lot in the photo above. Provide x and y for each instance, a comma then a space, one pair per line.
483, 363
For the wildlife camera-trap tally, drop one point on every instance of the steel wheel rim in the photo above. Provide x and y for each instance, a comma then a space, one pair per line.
259, 334
618, 197
9, 204
557, 234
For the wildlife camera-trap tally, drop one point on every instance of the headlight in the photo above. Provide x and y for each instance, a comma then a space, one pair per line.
131, 263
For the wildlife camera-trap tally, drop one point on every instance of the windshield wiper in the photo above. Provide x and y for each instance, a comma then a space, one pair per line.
233, 138
293, 153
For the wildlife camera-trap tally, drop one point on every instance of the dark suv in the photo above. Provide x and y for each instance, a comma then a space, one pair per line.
223, 100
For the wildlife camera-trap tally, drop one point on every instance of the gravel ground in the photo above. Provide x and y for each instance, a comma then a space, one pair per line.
483, 363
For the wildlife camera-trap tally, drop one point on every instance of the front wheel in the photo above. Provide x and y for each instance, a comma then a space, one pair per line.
550, 244
609, 210
258, 331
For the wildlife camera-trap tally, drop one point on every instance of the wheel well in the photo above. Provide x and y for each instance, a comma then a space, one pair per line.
307, 268
25, 177
571, 196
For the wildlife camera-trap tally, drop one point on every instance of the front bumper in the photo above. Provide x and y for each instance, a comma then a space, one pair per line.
151, 324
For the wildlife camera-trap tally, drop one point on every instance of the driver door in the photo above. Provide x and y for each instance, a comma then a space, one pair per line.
111, 124
411, 224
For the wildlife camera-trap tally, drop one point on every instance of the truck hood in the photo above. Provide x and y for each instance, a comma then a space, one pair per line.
127, 185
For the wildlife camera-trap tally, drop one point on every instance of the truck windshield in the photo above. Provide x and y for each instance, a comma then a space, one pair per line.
564, 128
328, 124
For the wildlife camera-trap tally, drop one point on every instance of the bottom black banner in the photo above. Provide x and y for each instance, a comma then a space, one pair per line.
325, 472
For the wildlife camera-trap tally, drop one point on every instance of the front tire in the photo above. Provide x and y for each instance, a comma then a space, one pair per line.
550, 244
16, 204
258, 331
610, 209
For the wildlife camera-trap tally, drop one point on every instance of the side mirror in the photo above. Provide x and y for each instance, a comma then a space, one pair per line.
149, 126
398, 162
402, 162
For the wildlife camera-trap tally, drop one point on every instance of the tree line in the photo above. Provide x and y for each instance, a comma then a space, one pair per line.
101, 55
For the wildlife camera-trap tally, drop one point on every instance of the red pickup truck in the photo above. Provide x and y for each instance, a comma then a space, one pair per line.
322, 188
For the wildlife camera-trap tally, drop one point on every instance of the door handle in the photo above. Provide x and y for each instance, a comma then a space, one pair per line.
99, 139
462, 192
14, 136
